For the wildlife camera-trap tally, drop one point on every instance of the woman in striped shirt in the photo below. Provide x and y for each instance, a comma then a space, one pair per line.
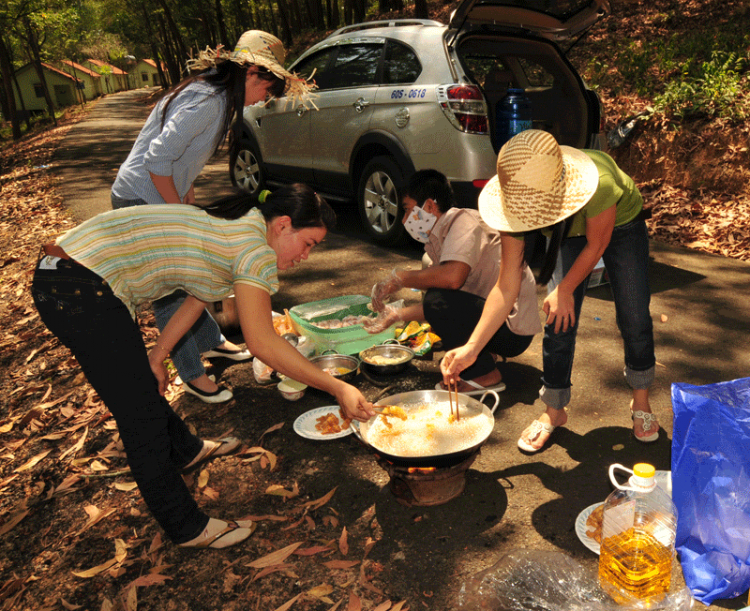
91, 281
183, 131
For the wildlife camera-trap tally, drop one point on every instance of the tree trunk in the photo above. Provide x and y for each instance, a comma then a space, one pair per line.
285, 17
208, 24
274, 27
154, 49
9, 102
297, 15
335, 15
173, 62
359, 10
37, 61
420, 9
175, 33
222, 26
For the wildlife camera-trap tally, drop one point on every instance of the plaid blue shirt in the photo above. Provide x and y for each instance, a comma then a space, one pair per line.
180, 149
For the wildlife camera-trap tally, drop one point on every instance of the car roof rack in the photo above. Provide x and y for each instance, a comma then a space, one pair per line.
385, 23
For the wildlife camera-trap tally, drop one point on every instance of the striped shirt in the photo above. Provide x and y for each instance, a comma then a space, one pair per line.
180, 149
147, 252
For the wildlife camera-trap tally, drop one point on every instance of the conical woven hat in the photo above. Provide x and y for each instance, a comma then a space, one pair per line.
538, 183
257, 48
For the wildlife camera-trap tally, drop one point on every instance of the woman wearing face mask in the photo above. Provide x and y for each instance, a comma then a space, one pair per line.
464, 259
183, 131
91, 281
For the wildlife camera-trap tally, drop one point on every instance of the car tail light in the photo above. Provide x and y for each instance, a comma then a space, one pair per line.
464, 107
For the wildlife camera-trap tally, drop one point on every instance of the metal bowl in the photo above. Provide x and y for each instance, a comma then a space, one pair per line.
402, 356
340, 366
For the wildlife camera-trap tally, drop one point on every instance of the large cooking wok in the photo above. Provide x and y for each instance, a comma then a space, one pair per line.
408, 401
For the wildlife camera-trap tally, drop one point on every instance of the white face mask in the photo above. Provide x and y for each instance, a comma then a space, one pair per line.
419, 224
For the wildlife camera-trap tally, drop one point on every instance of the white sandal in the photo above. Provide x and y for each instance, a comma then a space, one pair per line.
537, 427
648, 419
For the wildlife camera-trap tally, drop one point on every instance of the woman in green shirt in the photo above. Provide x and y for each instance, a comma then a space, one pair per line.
592, 210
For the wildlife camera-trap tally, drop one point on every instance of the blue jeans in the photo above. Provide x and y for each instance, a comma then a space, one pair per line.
81, 310
626, 261
204, 334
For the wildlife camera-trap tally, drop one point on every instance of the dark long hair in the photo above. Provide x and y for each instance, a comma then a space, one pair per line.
559, 231
297, 201
228, 78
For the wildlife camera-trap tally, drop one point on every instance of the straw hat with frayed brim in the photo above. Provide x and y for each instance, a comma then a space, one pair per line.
256, 48
538, 183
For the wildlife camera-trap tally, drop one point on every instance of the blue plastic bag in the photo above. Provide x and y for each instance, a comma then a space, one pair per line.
711, 486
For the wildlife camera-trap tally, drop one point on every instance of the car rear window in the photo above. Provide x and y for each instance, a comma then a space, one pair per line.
400, 65
355, 66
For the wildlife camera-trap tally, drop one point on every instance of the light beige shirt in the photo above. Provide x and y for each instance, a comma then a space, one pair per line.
460, 235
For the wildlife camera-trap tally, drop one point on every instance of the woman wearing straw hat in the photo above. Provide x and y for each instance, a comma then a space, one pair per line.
591, 210
182, 132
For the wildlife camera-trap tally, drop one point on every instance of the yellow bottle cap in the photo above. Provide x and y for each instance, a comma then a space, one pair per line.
643, 469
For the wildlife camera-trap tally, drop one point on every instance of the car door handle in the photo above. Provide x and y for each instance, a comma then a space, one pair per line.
360, 105
301, 110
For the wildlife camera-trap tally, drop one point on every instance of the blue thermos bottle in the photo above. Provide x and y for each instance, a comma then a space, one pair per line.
513, 115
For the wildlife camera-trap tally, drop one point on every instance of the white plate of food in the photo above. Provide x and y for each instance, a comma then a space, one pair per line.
589, 521
322, 424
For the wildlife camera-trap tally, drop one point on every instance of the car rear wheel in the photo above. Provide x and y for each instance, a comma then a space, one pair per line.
378, 199
247, 169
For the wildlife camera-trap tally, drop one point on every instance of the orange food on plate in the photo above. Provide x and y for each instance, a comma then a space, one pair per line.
328, 424
594, 524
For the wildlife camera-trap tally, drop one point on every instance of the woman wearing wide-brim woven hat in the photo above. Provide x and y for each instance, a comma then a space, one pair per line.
588, 209
183, 131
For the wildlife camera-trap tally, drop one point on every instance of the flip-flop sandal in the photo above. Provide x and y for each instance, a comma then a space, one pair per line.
537, 428
648, 418
222, 448
232, 525
499, 387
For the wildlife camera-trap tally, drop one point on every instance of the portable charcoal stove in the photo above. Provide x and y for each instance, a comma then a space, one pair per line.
426, 486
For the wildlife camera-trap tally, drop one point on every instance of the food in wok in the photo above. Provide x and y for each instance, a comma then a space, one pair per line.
429, 430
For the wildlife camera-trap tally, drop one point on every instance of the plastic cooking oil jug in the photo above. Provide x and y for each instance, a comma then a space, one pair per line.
638, 537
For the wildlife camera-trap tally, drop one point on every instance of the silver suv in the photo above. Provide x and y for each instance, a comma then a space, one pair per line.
405, 95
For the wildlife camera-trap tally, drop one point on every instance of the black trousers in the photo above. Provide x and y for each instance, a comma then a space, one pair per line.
453, 314
83, 312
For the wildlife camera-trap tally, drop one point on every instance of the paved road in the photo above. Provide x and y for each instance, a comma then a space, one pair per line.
701, 314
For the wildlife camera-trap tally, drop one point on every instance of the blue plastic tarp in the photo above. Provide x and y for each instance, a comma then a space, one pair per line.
711, 486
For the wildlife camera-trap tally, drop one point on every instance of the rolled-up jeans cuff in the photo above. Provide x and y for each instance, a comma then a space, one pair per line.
556, 398
639, 380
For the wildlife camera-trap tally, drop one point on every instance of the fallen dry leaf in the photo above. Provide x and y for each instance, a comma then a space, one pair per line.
321, 590
93, 572
33, 461
151, 579
275, 557
287, 605
341, 564
354, 603
344, 542
311, 551
319, 502
126, 486
272, 569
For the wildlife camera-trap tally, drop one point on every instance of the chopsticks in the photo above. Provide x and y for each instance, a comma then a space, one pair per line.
450, 398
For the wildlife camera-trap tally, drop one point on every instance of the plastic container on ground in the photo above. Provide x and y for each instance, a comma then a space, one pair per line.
346, 340
638, 539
